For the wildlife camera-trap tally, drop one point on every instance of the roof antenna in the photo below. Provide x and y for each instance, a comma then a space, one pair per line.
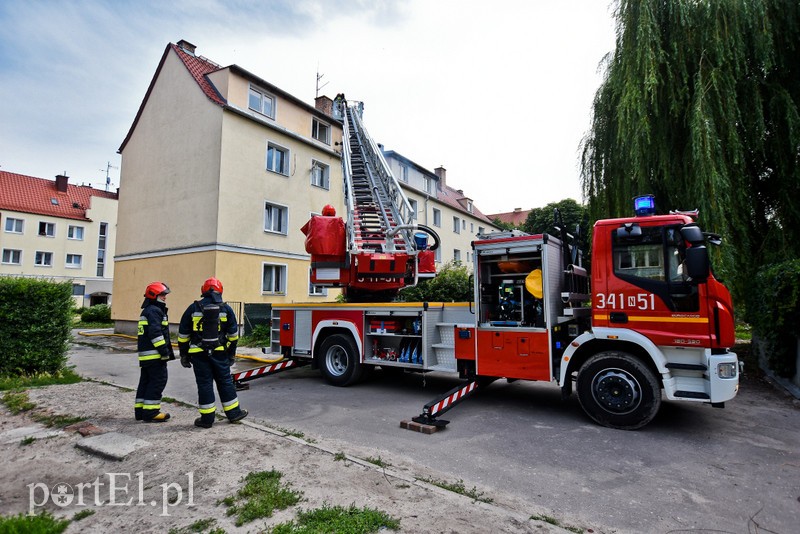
109, 166
319, 78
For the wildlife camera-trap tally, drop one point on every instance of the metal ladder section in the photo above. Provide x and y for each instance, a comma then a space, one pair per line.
377, 208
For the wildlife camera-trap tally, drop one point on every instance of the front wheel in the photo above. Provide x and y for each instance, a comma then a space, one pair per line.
339, 361
618, 391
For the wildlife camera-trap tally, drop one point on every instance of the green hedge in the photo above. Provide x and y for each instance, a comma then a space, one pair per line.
35, 320
774, 312
451, 284
99, 313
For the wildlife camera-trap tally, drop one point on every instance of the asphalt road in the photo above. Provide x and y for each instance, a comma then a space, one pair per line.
694, 468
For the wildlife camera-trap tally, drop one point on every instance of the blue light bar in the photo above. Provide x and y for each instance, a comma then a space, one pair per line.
644, 206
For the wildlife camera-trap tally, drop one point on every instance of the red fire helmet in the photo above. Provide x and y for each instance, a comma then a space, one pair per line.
212, 284
155, 289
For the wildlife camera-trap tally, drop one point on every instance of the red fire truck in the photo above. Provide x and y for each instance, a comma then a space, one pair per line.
656, 323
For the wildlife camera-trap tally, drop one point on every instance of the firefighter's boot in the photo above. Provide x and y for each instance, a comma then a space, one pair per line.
137, 414
239, 416
204, 422
160, 417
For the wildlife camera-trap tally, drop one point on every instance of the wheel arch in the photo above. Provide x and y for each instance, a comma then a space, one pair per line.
325, 329
628, 341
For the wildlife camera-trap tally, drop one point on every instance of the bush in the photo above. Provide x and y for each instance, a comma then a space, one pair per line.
451, 284
100, 313
35, 330
774, 311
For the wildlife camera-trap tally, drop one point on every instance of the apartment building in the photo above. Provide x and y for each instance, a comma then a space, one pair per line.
55, 230
220, 170
448, 211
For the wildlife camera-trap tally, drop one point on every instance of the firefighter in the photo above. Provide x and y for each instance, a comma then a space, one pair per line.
207, 339
155, 350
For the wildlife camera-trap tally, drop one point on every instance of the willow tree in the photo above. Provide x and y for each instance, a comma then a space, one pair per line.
699, 106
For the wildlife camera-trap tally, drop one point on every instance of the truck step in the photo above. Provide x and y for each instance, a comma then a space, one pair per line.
692, 395
687, 366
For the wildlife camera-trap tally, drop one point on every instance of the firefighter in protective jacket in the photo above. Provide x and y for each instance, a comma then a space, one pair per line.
207, 338
155, 350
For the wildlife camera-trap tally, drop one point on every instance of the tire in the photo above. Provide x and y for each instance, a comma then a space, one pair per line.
339, 361
618, 391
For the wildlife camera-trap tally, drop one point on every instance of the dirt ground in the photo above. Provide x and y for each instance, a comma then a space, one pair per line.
180, 477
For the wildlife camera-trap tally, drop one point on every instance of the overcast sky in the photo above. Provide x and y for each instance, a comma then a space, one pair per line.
497, 92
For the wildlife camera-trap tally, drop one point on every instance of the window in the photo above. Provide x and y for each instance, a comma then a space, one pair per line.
47, 229
456, 255
43, 259
315, 291
276, 218
463, 224
414, 206
471, 228
456, 225
437, 218
75, 232
12, 257
469, 206
13, 226
78, 290
427, 184
101, 250
321, 131
467, 257
480, 230
262, 102
74, 261
437, 255
404, 173
277, 159
320, 174
273, 279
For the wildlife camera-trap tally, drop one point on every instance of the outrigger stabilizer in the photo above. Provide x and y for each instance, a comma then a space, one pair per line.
442, 404
240, 378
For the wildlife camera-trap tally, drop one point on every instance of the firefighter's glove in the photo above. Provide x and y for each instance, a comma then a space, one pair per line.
186, 360
162, 350
231, 352
171, 353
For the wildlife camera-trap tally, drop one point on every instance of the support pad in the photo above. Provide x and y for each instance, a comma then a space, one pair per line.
418, 427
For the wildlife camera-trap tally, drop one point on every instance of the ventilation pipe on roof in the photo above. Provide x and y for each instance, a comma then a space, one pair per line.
61, 183
187, 46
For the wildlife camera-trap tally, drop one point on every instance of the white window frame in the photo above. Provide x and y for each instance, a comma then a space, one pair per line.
481, 229
314, 290
262, 95
284, 218
283, 268
457, 255
284, 170
43, 254
469, 206
14, 223
10, 252
72, 264
456, 225
47, 226
437, 255
427, 184
404, 173
323, 171
414, 207
72, 230
315, 131
437, 217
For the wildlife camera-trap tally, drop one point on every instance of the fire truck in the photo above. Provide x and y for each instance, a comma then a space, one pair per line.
656, 323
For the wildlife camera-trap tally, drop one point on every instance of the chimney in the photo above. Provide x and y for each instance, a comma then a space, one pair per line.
61, 183
517, 210
187, 46
441, 173
324, 104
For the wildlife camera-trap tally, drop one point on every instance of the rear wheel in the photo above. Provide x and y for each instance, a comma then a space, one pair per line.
339, 361
618, 391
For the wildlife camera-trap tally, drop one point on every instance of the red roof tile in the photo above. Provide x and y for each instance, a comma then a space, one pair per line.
516, 217
451, 197
27, 194
199, 67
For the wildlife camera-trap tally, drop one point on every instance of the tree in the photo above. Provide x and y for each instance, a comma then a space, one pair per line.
699, 106
451, 284
540, 220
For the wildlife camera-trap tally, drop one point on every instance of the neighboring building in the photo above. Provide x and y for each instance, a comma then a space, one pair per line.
54, 230
220, 170
447, 211
516, 218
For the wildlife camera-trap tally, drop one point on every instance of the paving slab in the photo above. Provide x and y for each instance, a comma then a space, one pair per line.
33, 431
113, 445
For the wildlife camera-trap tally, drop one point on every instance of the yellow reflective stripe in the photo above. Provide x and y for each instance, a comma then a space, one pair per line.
232, 406
146, 357
234, 337
138, 405
165, 322
207, 410
646, 319
193, 349
152, 406
183, 338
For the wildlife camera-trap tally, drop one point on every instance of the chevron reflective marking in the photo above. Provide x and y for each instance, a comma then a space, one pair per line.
444, 403
267, 369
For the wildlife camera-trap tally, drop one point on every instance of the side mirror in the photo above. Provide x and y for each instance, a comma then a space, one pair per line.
697, 265
693, 234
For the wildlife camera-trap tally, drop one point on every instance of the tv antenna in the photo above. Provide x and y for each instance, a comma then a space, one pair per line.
109, 166
319, 78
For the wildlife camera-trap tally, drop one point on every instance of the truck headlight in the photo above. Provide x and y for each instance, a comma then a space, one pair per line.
726, 370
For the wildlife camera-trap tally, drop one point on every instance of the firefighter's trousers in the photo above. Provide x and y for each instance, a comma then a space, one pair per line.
152, 381
212, 367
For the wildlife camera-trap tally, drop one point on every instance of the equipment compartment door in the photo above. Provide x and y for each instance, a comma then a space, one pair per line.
513, 354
